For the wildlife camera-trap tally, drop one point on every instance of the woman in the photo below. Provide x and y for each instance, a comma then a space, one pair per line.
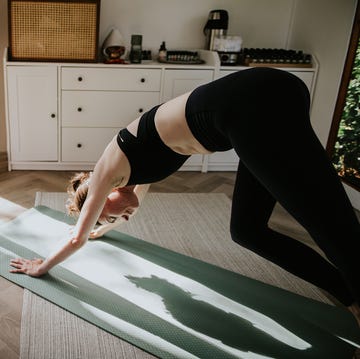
264, 115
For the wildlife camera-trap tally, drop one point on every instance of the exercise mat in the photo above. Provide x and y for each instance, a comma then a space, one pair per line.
171, 305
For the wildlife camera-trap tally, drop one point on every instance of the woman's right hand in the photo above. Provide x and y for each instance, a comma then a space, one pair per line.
27, 266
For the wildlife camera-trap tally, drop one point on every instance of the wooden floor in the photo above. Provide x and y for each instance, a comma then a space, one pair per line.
20, 187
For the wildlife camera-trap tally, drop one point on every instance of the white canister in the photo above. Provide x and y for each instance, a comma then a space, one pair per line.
227, 43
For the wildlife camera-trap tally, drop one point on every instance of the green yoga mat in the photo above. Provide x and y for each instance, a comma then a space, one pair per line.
171, 305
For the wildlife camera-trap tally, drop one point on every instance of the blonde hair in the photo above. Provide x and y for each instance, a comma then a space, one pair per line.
77, 190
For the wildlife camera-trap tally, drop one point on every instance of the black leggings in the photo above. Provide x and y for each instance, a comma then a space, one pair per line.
281, 159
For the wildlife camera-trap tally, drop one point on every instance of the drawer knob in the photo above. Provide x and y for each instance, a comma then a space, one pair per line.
53, 115
80, 78
141, 110
79, 109
142, 79
79, 145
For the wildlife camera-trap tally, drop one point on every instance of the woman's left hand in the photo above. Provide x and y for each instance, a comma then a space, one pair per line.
27, 266
99, 231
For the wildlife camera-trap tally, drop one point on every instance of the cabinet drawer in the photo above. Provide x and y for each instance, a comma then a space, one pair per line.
85, 144
104, 109
81, 78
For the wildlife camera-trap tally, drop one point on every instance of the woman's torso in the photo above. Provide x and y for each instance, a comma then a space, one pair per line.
202, 121
172, 127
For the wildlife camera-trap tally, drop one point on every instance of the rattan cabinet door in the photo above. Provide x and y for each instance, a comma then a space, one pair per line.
32, 110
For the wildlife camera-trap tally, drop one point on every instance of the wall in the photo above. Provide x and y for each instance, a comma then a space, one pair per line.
180, 23
3, 44
323, 28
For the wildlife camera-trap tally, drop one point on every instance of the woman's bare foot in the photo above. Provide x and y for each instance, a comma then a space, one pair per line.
355, 310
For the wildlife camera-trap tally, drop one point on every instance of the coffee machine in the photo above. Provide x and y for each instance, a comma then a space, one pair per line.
216, 26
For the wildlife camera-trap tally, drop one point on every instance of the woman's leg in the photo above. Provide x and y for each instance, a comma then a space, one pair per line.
274, 139
251, 209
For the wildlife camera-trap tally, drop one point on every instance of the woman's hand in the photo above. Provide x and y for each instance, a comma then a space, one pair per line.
98, 232
27, 266
104, 228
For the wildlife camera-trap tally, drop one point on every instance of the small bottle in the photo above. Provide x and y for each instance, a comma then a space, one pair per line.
136, 49
162, 52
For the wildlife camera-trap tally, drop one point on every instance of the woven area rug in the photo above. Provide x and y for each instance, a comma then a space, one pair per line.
195, 225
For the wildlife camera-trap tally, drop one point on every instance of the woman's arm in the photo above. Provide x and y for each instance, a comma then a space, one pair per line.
112, 170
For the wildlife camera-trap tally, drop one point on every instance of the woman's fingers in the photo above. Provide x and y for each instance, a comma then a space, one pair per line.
19, 270
92, 235
17, 262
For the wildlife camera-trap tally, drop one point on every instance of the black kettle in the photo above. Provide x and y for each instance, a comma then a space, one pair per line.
216, 25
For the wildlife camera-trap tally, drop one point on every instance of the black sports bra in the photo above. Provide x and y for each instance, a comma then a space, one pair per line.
150, 159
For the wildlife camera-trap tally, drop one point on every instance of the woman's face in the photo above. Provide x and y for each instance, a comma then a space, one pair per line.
120, 203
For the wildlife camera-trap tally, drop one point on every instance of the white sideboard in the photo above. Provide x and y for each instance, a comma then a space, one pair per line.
60, 116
